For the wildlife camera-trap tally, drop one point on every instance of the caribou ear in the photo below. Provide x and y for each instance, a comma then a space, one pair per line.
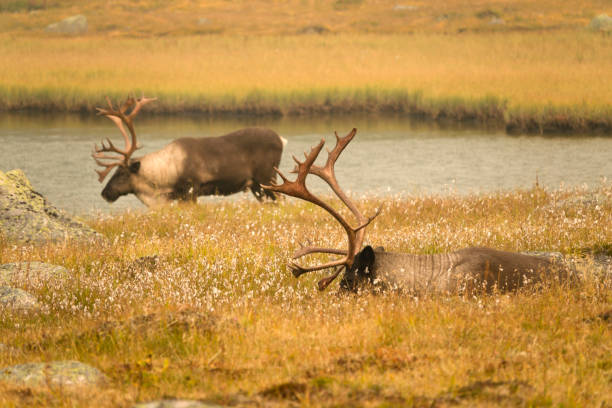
134, 167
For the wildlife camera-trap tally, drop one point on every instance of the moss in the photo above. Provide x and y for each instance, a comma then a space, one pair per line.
27, 216
58, 373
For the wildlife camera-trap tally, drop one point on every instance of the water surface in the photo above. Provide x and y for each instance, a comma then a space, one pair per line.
390, 155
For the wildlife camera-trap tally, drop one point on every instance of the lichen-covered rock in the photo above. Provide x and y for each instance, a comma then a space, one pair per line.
71, 25
65, 374
27, 216
176, 404
6, 349
17, 273
602, 22
17, 300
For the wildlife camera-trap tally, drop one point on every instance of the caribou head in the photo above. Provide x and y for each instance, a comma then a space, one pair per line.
121, 182
298, 189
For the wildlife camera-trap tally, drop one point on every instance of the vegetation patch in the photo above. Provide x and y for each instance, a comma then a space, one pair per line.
196, 302
534, 68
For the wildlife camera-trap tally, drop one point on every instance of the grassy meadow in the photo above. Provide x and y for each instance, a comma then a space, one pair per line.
195, 301
539, 71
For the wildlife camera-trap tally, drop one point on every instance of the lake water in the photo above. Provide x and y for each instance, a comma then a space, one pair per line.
390, 155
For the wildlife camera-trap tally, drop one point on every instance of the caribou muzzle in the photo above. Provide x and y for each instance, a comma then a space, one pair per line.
109, 194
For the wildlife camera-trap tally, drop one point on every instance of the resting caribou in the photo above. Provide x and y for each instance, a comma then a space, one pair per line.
462, 271
187, 167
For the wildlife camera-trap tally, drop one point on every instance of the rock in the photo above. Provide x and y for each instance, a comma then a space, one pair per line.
26, 216
65, 374
402, 7
17, 300
15, 274
203, 21
496, 21
176, 404
488, 14
73, 25
314, 29
602, 22
6, 349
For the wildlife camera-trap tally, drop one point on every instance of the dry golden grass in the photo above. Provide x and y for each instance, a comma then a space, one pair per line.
468, 76
540, 69
144, 18
218, 317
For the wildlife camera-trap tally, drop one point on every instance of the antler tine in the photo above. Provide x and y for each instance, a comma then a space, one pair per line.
298, 188
103, 173
110, 104
98, 156
138, 104
298, 269
324, 283
311, 250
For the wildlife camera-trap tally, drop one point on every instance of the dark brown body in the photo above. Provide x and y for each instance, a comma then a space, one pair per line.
463, 271
191, 167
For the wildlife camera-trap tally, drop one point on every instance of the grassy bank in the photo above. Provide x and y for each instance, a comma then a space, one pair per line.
528, 81
153, 18
217, 316
532, 67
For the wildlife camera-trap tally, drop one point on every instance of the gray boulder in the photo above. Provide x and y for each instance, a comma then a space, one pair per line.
26, 216
17, 273
602, 22
314, 29
73, 25
65, 374
17, 300
497, 21
6, 349
176, 404
404, 7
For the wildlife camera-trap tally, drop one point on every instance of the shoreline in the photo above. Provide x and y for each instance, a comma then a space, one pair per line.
514, 123
527, 83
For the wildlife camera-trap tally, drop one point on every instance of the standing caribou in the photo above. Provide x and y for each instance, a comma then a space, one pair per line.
187, 167
462, 271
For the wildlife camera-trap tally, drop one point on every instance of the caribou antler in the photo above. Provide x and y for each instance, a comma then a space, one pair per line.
298, 189
119, 117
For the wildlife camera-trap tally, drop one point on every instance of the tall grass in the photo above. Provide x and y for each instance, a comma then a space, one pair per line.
260, 17
217, 316
531, 66
541, 77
